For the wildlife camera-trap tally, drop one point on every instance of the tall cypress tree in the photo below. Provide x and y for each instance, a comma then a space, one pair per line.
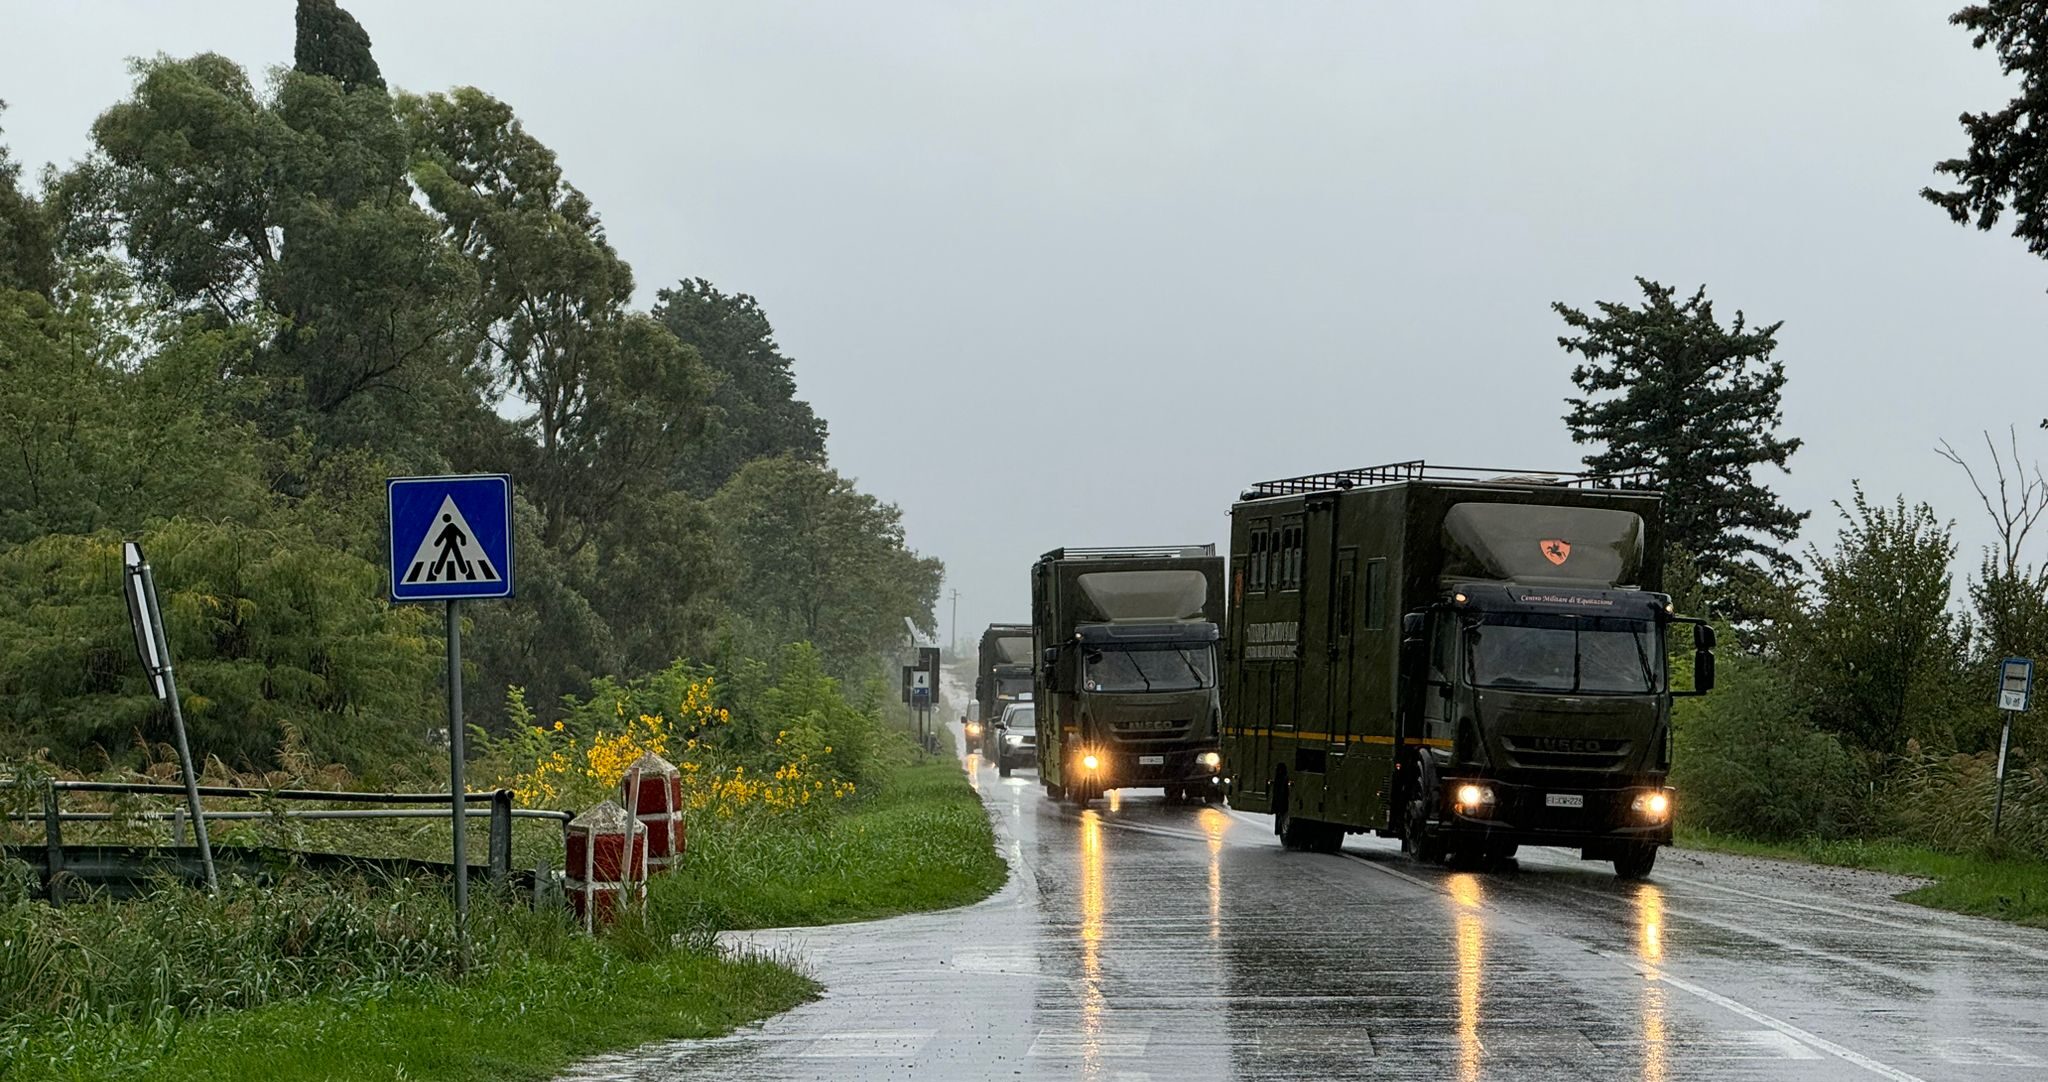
332, 43
1667, 390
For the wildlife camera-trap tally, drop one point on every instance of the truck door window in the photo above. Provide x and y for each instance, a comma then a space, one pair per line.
1258, 561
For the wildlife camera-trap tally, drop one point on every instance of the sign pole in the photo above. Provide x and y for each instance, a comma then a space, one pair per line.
2004, 739
457, 787
163, 649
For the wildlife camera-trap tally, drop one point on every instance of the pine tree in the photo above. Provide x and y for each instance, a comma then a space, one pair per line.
332, 43
1669, 391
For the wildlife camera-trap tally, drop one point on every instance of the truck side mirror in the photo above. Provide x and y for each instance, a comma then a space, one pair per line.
1411, 626
1052, 656
1703, 637
1703, 664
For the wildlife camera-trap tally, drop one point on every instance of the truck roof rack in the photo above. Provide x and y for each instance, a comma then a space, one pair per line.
1130, 552
1418, 470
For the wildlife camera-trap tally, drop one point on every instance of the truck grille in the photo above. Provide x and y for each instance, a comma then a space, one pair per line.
1566, 753
1145, 732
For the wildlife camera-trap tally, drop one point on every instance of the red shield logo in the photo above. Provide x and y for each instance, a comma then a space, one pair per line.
1556, 551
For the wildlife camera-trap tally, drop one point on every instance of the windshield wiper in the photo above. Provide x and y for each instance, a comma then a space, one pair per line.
1192, 671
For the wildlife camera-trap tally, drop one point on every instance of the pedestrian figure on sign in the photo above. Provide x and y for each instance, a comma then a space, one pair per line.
451, 539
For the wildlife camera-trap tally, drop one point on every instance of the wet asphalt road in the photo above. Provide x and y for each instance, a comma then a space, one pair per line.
1140, 941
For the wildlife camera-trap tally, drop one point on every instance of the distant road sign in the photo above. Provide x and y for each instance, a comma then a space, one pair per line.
451, 537
2015, 683
142, 618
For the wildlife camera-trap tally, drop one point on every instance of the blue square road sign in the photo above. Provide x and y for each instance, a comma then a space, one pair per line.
450, 537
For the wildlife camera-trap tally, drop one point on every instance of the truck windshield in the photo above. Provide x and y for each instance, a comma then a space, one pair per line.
1012, 686
1565, 653
1154, 668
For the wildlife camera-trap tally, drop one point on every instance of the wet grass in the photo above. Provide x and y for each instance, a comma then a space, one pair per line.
922, 841
524, 1022
358, 980
2003, 887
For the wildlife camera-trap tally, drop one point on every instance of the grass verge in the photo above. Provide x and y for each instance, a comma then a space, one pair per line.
323, 981
2011, 889
921, 841
524, 1022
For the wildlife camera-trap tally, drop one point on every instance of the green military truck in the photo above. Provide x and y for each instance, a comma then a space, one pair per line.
1125, 680
1004, 677
1466, 661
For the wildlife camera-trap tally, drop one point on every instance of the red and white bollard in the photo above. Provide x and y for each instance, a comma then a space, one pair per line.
653, 791
606, 864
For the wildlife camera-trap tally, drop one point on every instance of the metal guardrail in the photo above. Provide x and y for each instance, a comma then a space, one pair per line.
501, 813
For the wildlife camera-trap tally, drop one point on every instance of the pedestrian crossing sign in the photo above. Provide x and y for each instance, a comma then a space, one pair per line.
451, 537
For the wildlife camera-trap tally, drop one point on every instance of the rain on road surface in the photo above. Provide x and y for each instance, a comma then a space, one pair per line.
1141, 941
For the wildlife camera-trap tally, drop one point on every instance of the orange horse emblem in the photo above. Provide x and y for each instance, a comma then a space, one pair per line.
1556, 551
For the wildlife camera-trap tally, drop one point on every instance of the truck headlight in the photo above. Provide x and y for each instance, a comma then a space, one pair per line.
1090, 762
973, 728
1212, 760
1654, 805
1474, 796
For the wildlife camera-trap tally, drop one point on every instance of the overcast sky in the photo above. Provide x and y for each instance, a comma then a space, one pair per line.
1079, 273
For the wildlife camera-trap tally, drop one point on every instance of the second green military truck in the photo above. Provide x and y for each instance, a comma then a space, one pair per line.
1464, 660
1125, 681
1004, 677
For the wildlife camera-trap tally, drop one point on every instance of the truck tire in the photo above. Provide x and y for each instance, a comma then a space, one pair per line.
1415, 836
1176, 794
1054, 793
1002, 767
1635, 862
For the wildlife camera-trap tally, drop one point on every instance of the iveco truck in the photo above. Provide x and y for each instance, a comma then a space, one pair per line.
1004, 677
1125, 676
1464, 660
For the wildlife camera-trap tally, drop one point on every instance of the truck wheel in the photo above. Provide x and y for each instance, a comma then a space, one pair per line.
1003, 768
1176, 794
1415, 837
1635, 862
1054, 793
1214, 795
1329, 838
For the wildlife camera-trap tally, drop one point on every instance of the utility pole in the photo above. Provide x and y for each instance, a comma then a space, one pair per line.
953, 631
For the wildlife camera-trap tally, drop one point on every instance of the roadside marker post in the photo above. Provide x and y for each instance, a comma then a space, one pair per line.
2015, 695
451, 541
154, 648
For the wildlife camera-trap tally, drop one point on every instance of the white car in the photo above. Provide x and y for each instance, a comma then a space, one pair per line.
1018, 733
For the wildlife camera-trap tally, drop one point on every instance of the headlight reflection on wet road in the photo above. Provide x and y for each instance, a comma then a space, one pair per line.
1471, 933
1650, 948
1092, 911
1214, 823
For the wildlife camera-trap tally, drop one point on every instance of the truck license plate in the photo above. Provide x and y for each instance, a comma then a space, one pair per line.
1151, 760
1565, 800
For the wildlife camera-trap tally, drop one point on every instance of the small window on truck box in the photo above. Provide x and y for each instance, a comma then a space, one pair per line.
1375, 595
1258, 560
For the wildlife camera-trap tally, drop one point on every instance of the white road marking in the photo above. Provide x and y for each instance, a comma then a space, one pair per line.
1972, 1052
888, 1044
1918, 929
1847, 1055
1074, 1044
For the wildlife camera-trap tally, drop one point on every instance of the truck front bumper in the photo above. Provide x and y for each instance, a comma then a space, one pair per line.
1596, 820
1120, 768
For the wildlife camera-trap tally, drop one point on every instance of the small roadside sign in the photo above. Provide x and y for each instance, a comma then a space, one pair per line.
2016, 684
2015, 694
920, 680
450, 537
142, 619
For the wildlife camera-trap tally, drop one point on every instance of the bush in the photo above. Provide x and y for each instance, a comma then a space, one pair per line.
1748, 760
1945, 801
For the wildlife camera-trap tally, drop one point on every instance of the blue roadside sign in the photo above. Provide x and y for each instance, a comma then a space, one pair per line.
2016, 683
451, 537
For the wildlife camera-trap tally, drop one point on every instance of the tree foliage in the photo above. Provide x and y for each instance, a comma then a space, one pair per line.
249, 305
754, 412
2006, 165
1668, 390
1881, 649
